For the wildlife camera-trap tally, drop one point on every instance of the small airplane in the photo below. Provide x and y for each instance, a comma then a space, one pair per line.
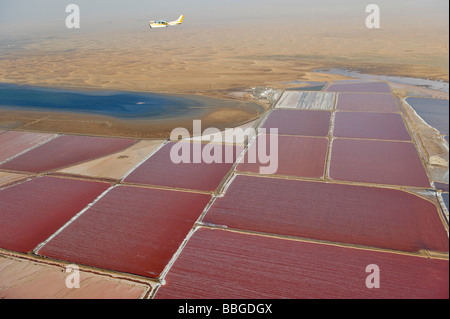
164, 23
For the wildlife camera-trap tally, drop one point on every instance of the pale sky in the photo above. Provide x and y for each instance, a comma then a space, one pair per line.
45, 15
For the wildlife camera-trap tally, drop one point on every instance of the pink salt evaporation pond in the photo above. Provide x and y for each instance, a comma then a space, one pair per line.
382, 162
13, 143
369, 216
367, 102
295, 156
33, 210
66, 150
223, 264
163, 170
130, 229
299, 122
383, 126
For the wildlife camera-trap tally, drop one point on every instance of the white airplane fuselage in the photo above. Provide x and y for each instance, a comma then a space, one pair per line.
158, 25
165, 24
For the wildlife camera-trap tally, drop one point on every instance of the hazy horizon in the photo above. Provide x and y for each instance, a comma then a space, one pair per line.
32, 16
230, 44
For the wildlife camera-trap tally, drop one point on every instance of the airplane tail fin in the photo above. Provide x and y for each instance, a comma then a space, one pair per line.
179, 21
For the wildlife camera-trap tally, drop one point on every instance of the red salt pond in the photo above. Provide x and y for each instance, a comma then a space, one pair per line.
32, 211
64, 151
383, 126
383, 162
370, 216
161, 170
13, 143
299, 122
223, 264
374, 87
367, 102
297, 156
130, 229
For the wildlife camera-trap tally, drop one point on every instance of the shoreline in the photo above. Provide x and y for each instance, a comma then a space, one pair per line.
433, 146
432, 84
244, 112
218, 112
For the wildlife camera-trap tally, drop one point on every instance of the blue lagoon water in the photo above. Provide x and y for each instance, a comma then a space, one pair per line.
433, 111
123, 105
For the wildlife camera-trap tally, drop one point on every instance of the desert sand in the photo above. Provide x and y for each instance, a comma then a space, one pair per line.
8, 178
223, 114
26, 279
431, 145
115, 166
222, 61
193, 59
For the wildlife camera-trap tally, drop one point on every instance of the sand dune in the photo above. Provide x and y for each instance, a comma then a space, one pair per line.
190, 59
212, 61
